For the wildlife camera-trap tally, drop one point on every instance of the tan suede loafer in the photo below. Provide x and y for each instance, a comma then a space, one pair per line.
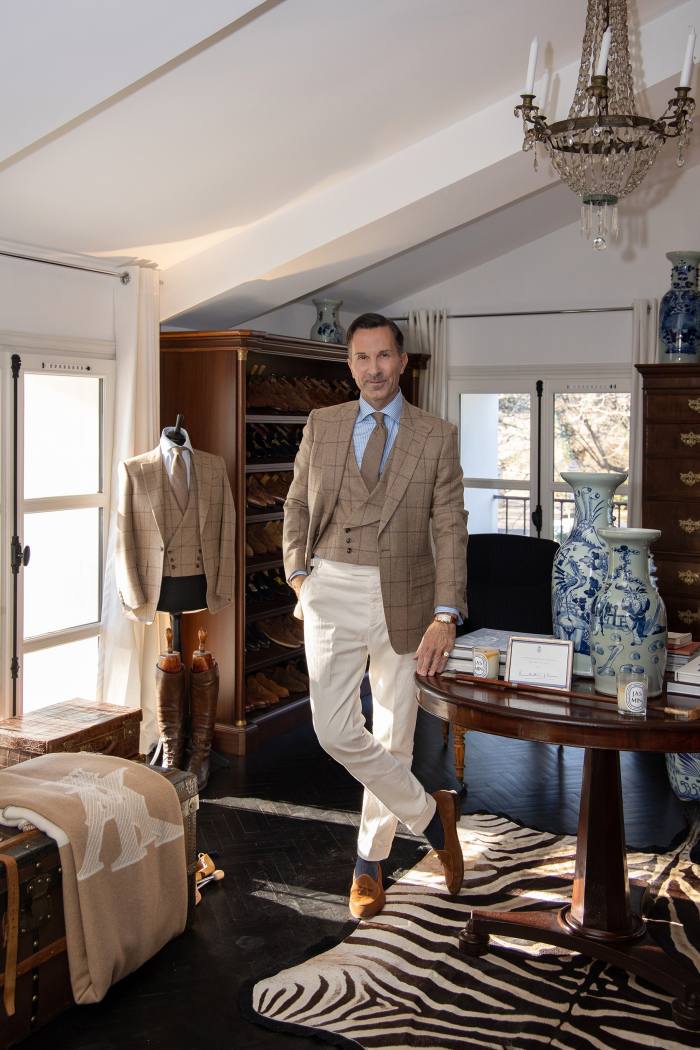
451, 856
366, 896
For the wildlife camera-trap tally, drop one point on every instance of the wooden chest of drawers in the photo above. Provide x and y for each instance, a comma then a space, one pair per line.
671, 486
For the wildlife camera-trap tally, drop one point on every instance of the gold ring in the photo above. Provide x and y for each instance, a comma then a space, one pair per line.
446, 652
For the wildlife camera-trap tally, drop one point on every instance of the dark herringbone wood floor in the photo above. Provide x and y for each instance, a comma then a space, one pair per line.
284, 832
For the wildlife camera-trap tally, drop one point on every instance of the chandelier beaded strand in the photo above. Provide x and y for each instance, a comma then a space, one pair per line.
603, 149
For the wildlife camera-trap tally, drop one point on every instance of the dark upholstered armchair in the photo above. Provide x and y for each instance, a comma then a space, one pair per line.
509, 587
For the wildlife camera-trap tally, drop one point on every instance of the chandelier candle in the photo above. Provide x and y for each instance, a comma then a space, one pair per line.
688, 60
531, 67
601, 69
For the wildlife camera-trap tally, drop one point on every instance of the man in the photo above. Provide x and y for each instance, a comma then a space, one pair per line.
372, 483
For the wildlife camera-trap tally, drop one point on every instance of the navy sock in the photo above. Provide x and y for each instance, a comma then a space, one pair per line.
435, 833
367, 867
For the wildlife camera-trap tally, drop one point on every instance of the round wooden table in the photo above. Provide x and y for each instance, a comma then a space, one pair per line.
600, 920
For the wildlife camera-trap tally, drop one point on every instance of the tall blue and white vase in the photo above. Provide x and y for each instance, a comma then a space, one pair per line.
684, 775
679, 311
581, 563
629, 617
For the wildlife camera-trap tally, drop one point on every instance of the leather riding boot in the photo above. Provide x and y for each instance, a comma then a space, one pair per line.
171, 710
204, 693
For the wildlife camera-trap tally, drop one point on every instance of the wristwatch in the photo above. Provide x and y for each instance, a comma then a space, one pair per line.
444, 618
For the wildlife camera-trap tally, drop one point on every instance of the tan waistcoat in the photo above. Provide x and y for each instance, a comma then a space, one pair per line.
351, 534
183, 544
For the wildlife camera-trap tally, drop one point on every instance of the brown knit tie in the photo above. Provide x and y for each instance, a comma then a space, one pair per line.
179, 479
373, 453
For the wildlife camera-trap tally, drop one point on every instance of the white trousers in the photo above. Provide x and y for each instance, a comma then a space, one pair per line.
344, 623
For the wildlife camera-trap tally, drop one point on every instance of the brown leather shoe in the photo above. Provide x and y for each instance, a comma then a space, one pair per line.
272, 686
451, 856
367, 896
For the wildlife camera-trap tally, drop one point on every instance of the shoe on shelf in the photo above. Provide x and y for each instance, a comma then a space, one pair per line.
280, 691
276, 630
285, 680
367, 897
450, 856
295, 628
254, 540
257, 695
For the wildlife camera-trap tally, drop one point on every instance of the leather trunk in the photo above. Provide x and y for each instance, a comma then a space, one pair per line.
186, 786
43, 988
74, 725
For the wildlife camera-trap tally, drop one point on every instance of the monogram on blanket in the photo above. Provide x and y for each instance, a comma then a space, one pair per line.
118, 827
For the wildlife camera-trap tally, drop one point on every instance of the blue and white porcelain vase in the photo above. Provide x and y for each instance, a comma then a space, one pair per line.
684, 775
679, 312
327, 328
581, 563
629, 617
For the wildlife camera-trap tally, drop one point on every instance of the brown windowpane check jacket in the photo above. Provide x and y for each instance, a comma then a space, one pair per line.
424, 501
141, 536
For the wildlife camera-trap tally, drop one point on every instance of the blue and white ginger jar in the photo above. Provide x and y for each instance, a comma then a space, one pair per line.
581, 563
629, 617
327, 328
679, 312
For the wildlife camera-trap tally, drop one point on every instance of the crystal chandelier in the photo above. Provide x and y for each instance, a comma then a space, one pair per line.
603, 150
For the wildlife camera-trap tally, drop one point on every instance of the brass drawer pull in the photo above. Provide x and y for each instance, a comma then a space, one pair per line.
688, 576
690, 439
689, 478
688, 616
694, 404
689, 526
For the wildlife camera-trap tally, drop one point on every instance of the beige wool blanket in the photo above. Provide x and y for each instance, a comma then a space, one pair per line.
119, 830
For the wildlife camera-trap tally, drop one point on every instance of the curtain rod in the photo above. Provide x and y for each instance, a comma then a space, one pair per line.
539, 313
124, 277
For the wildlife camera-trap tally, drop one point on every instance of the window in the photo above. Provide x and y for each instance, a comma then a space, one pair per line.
514, 444
64, 428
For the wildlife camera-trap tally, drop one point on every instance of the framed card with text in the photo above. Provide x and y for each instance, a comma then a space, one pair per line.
543, 662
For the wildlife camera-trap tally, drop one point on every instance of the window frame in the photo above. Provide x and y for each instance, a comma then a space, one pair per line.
479, 379
79, 364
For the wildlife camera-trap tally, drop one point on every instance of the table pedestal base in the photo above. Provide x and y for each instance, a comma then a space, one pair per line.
600, 921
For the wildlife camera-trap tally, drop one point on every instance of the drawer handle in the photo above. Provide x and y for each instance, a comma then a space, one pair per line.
688, 616
689, 478
694, 404
689, 526
688, 576
690, 439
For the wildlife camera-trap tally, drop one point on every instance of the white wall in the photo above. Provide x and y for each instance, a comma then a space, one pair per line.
562, 270
295, 319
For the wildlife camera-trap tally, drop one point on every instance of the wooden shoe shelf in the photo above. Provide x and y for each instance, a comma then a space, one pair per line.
208, 376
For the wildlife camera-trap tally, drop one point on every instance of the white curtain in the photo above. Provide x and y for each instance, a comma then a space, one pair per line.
128, 650
645, 324
427, 334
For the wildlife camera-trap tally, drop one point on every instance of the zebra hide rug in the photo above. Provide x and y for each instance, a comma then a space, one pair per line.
400, 980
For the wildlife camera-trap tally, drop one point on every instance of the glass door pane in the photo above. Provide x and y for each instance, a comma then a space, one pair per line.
63, 672
591, 432
495, 436
495, 447
61, 435
61, 582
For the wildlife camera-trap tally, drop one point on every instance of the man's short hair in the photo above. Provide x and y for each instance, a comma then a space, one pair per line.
375, 321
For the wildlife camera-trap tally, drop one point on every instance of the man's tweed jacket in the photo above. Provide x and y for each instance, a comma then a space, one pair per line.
424, 494
141, 532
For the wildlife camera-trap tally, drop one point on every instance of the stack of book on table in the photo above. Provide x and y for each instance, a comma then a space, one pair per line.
681, 649
685, 679
462, 656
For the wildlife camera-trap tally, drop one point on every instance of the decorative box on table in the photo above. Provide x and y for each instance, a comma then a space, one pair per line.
73, 725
